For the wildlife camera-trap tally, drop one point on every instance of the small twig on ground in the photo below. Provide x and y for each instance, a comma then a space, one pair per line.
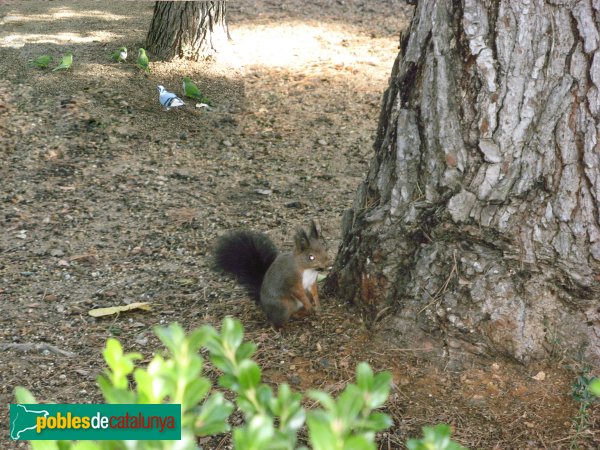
438, 295
40, 347
415, 349
433, 301
381, 313
452, 272
221, 443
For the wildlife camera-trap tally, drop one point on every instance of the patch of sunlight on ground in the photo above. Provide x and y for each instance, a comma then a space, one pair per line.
46, 31
294, 44
19, 40
65, 13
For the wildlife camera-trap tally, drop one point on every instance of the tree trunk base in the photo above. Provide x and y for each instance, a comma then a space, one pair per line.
478, 221
187, 30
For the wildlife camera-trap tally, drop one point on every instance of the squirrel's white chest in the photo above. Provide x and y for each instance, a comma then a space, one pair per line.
309, 277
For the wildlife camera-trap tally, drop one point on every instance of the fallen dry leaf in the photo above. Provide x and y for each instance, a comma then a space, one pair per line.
540, 376
99, 312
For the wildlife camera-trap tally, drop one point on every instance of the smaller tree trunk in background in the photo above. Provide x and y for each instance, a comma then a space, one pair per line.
188, 30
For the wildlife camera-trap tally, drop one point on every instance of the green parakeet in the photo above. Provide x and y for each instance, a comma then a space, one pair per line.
142, 60
120, 55
191, 90
65, 63
42, 61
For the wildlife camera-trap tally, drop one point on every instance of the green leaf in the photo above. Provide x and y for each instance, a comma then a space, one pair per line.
377, 421
212, 341
24, 396
284, 394
199, 337
194, 392
439, 435
246, 405
256, 435
359, 443
113, 352
350, 403
435, 438
288, 408
321, 435
380, 389
213, 416
232, 333
364, 376
246, 350
65, 445
172, 337
228, 381
112, 394
120, 364
595, 387
264, 394
249, 374
323, 398
295, 420
105, 386
417, 444
151, 389
187, 442
44, 445
221, 363
86, 445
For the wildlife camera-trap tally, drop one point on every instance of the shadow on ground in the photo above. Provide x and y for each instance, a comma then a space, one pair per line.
106, 199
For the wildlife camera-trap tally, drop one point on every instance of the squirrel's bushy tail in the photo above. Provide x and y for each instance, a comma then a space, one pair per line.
247, 255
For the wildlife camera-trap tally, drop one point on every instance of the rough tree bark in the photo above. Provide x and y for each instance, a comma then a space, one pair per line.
187, 30
479, 218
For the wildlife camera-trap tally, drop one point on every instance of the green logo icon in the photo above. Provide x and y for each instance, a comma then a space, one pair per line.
95, 422
23, 419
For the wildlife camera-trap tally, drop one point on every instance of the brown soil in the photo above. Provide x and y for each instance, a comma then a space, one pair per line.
107, 199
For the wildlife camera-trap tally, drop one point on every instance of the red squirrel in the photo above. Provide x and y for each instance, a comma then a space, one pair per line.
283, 284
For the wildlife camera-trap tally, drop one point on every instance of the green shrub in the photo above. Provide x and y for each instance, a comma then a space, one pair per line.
584, 390
595, 387
271, 419
435, 438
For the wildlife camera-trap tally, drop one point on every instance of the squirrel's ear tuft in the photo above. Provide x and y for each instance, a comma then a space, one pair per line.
301, 240
314, 230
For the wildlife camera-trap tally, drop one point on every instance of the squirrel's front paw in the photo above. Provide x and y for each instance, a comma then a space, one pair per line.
302, 312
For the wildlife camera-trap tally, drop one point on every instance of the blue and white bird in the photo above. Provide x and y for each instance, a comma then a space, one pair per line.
168, 99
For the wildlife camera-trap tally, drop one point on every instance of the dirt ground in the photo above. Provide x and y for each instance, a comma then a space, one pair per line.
106, 199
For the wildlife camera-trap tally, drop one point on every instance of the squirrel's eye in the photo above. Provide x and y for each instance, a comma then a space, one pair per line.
311, 257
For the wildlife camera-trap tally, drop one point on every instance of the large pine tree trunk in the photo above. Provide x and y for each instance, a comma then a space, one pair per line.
186, 29
479, 219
